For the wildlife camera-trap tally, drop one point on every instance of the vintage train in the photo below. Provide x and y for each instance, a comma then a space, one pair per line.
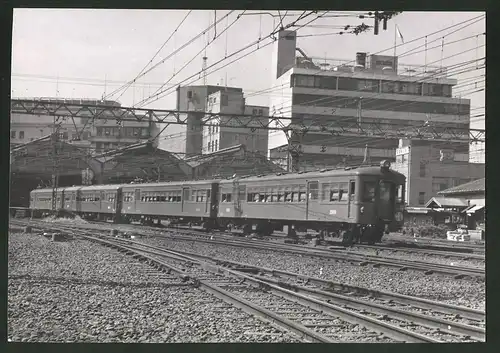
363, 201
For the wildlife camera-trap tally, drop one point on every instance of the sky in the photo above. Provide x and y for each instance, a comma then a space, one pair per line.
90, 53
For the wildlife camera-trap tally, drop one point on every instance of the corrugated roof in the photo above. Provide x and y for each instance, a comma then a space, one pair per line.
475, 186
443, 202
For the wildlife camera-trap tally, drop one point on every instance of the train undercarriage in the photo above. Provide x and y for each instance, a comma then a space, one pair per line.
347, 232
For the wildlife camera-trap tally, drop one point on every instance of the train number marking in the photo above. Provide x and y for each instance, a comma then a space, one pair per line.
332, 212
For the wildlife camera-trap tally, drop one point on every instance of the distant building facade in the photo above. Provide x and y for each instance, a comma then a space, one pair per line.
430, 168
341, 95
221, 136
99, 135
193, 138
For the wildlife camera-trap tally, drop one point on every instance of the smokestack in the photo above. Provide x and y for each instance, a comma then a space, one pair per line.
366, 160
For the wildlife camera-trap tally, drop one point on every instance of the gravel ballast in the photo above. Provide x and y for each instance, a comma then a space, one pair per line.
465, 292
77, 291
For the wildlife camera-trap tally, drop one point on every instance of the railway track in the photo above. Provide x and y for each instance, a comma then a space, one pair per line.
309, 309
342, 255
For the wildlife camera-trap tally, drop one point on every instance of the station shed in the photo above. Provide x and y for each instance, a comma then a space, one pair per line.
141, 161
34, 163
231, 161
474, 195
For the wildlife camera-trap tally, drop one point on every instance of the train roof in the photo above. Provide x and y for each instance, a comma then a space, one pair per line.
187, 183
101, 187
44, 190
370, 170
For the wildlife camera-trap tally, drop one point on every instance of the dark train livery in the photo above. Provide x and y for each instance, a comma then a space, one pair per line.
363, 202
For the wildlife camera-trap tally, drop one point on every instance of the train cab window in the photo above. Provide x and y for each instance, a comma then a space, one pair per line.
343, 192
369, 191
399, 194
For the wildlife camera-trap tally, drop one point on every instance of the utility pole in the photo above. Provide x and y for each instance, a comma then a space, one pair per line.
55, 162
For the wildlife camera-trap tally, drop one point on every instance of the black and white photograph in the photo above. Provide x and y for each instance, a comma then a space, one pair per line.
246, 176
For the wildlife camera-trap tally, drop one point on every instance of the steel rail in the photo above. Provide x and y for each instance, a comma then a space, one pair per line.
471, 331
363, 259
395, 332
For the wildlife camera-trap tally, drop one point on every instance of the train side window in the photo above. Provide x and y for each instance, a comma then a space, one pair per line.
281, 195
334, 192
352, 190
343, 192
369, 191
209, 193
288, 196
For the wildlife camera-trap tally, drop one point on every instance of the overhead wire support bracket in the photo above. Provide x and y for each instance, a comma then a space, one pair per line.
337, 128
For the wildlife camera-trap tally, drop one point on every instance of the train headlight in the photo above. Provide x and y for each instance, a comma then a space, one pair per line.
399, 216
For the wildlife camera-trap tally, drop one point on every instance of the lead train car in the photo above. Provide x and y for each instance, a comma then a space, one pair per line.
364, 201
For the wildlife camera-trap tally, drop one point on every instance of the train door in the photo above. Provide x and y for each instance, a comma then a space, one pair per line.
185, 199
387, 196
351, 208
214, 201
137, 199
207, 200
118, 203
78, 200
312, 200
102, 201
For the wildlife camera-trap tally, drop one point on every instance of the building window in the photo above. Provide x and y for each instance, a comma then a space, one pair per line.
304, 81
368, 85
421, 198
12, 134
388, 87
348, 84
422, 169
328, 83
21, 135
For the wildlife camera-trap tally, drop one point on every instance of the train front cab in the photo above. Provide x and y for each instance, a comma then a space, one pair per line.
380, 203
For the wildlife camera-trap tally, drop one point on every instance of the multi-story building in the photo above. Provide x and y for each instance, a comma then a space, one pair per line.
221, 137
345, 95
186, 140
195, 139
430, 168
99, 135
